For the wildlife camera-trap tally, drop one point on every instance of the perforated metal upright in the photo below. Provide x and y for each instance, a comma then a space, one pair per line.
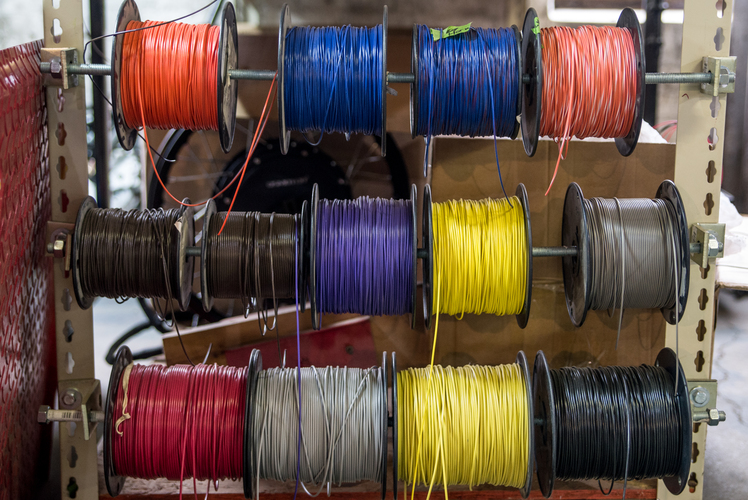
63, 28
698, 174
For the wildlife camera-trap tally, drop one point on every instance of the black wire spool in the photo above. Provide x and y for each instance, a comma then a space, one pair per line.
578, 269
243, 263
312, 257
426, 253
110, 258
226, 90
612, 423
532, 84
284, 26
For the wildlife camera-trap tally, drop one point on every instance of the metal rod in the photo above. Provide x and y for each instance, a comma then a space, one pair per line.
659, 78
252, 74
400, 77
554, 251
194, 251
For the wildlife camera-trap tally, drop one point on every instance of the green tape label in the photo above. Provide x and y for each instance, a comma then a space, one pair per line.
450, 31
536, 28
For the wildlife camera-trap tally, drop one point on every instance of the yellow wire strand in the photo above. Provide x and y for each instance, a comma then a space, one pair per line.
480, 255
470, 423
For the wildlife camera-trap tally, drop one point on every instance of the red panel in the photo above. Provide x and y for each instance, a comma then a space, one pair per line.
27, 366
345, 344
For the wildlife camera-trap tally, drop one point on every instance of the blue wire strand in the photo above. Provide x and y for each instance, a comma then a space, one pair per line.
468, 85
334, 80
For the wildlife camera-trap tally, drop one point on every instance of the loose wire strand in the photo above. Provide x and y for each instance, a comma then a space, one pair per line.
334, 80
466, 426
589, 84
481, 256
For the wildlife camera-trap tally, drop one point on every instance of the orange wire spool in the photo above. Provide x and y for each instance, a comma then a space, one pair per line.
173, 75
583, 82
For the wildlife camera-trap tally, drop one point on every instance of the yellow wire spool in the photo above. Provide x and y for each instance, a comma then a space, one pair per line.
481, 257
468, 425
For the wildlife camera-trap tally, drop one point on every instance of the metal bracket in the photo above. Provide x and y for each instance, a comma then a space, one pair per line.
703, 396
708, 241
58, 60
85, 394
723, 69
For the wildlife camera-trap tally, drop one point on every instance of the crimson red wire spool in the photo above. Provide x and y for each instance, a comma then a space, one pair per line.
177, 422
583, 82
173, 75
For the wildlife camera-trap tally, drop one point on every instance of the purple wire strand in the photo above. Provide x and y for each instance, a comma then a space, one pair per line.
365, 256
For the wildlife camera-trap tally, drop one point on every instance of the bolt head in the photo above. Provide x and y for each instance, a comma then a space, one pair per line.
42, 415
699, 396
71, 398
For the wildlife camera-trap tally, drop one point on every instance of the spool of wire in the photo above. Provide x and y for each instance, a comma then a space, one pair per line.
123, 254
177, 422
592, 83
343, 421
612, 423
478, 257
173, 75
363, 256
631, 253
332, 79
253, 258
469, 425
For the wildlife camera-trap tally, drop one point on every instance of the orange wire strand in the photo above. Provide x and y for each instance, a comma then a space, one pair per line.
589, 84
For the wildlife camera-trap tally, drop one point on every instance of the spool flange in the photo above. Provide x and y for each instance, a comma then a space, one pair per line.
385, 418
518, 57
394, 426
427, 258
303, 257
532, 90
254, 367
522, 362
413, 200
314, 306
576, 269
114, 482
207, 298
628, 19
227, 87
385, 25
83, 301
185, 263
414, 85
284, 25
668, 192
544, 421
669, 361
524, 315
126, 134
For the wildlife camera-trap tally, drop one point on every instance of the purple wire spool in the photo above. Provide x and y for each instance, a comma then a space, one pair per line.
364, 256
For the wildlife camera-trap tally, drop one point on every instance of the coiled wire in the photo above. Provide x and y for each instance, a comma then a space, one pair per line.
253, 258
465, 425
480, 257
616, 423
334, 79
126, 254
365, 256
342, 425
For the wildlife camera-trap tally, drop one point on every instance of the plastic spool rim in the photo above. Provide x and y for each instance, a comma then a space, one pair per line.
428, 260
576, 269
524, 315
394, 426
628, 19
669, 192
285, 22
185, 263
414, 85
303, 263
518, 55
385, 417
128, 11
227, 87
669, 361
83, 301
254, 367
384, 82
522, 362
532, 91
544, 421
114, 483
314, 306
414, 223
207, 299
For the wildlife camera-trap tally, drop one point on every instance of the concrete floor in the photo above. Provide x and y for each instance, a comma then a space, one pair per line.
726, 476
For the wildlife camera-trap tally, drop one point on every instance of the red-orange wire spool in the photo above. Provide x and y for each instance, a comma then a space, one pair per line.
170, 71
179, 421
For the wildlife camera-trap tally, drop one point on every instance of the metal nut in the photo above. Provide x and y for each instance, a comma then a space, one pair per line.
713, 247
59, 246
715, 416
55, 66
699, 396
41, 417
